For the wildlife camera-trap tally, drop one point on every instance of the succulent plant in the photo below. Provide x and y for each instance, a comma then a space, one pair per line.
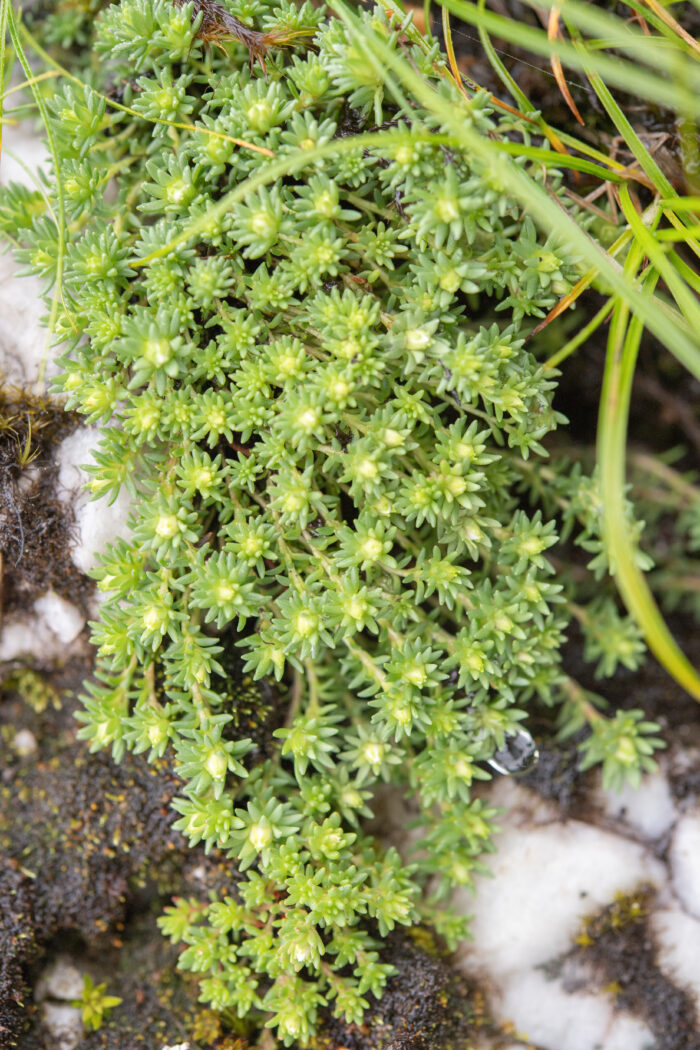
299, 314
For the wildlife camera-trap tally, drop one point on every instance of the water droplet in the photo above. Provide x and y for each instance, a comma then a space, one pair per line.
518, 755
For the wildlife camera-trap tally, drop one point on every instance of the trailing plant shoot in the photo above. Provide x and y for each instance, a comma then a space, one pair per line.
308, 359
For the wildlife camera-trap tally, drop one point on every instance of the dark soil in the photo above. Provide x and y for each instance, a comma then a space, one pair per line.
425, 1006
618, 944
88, 858
258, 707
17, 948
36, 528
556, 775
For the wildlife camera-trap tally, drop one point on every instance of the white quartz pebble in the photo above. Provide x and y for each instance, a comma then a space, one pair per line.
60, 980
65, 1025
61, 618
677, 935
648, 810
44, 632
24, 743
556, 1019
684, 858
23, 153
23, 340
546, 879
98, 522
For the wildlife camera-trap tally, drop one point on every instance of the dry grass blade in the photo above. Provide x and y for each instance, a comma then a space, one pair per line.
449, 47
671, 22
218, 25
557, 69
550, 134
565, 302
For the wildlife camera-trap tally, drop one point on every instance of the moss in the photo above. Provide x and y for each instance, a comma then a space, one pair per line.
36, 528
34, 688
425, 1006
619, 943
17, 948
83, 830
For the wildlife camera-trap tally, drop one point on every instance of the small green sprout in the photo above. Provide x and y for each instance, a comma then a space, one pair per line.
94, 1004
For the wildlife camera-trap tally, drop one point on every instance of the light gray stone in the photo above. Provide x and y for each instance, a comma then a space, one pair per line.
65, 1024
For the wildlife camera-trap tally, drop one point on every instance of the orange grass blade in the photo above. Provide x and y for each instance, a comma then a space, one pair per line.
565, 302
449, 47
557, 69
670, 21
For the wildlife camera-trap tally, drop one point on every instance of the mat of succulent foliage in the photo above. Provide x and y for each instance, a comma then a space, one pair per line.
316, 386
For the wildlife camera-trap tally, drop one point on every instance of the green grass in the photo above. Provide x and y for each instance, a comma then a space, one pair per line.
10, 24
661, 67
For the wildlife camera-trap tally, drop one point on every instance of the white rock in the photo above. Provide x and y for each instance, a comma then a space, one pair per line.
62, 618
684, 859
24, 638
23, 341
24, 743
23, 153
546, 878
678, 938
73, 454
483, 1041
24, 352
64, 1023
60, 980
555, 1019
44, 633
648, 810
98, 522
523, 805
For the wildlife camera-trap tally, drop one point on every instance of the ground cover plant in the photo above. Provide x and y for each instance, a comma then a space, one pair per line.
295, 275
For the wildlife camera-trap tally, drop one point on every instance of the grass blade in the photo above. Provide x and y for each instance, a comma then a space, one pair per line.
632, 139
623, 344
51, 143
669, 326
681, 95
4, 70
685, 299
